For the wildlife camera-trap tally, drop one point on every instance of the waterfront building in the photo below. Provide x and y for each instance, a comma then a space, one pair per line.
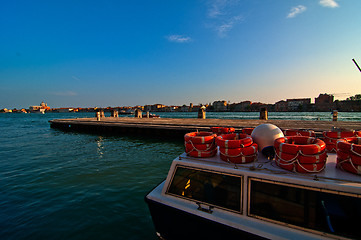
5, 110
281, 106
191, 107
257, 106
220, 106
298, 104
324, 102
241, 107
184, 108
39, 109
63, 110
348, 105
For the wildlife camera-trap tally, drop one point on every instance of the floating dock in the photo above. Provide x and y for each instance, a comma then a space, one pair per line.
176, 127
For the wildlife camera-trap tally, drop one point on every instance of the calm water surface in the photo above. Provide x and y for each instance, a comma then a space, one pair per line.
57, 185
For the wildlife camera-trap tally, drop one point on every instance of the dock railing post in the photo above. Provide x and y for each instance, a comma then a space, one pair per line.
138, 113
97, 114
263, 115
147, 114
115, 113
202, 112
334, 115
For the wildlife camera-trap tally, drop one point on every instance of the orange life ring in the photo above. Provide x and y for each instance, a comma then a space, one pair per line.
355, 159
222, 130
330, 144
351, 144
348, 166
300, 168
202, 154
337, 135
299, 132
200, 137
236, 152
331, 138
247, 130
303, 159
240, 159
295, 144
234, 140
200, 147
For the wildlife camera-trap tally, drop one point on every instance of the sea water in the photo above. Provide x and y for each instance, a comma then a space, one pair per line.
66, 185
56, 185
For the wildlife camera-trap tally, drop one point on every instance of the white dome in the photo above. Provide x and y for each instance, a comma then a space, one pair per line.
265, 135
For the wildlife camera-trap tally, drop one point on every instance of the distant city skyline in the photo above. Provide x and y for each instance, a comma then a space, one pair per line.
121, 53
321, 99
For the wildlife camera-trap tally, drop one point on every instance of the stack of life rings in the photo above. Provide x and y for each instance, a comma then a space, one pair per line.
222, 130
200, 144
237, 148
349, 154
247, 130
300, 154
331, 138
299, 132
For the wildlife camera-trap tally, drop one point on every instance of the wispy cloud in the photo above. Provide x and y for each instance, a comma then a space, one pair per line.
218, 8
296, 10
329, 3
225, 27
224, 16
65, 93
179, 38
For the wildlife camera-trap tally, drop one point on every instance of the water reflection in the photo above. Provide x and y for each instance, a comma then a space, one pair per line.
100, 146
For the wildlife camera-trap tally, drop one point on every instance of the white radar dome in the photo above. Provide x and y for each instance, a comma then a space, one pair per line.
265, 135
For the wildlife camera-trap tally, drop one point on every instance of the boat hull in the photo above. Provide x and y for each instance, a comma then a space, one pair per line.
171, 223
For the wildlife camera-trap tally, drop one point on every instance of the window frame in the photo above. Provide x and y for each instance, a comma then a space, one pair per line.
241, 177
287, 184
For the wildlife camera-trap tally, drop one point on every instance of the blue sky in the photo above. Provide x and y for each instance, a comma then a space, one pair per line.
126, 53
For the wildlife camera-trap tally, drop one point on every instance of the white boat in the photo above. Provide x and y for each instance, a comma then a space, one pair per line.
207, 198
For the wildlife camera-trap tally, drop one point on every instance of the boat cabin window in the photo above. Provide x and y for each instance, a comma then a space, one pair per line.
311, 208
213, 188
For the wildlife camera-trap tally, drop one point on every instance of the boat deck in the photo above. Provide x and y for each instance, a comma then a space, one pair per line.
266, 167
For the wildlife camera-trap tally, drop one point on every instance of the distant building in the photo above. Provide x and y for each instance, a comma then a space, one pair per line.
298, 104
155, 108
191, 107
324, 102
184, 108
281, 106
63, 110
241, 107
348, 105
5, 110
257, 106
138, 107
40, 109
147, 108
219, 106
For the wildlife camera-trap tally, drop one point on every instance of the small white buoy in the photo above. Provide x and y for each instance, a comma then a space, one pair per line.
265, 135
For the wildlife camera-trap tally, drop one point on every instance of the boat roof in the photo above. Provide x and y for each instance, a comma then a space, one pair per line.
332, 177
